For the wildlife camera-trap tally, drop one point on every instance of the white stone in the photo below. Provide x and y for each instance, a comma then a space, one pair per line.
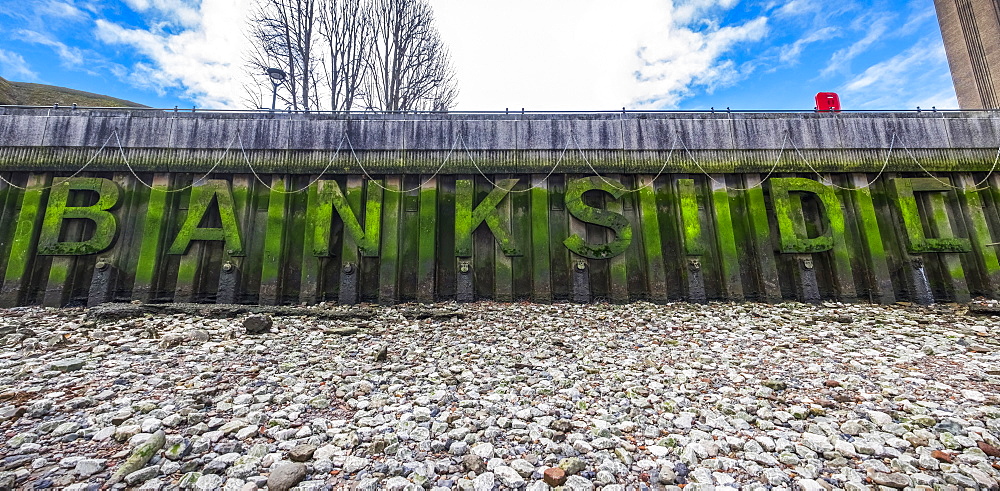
657, 450
483, 450
354, 464
973, 395
89, 467
508, 476
879, 418
484, 482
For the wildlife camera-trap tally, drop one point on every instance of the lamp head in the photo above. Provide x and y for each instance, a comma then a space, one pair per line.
277, 75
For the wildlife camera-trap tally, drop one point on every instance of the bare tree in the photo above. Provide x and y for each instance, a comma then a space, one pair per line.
347, 32
284, 34
384, 54
447, 91
410, 66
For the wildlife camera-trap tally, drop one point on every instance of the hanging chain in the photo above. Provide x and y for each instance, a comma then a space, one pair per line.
121, 150
65, 179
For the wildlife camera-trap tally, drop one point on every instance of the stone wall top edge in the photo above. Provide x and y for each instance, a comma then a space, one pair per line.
481, 116
89, 128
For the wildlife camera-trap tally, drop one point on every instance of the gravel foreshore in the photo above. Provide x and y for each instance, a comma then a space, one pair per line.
490, 396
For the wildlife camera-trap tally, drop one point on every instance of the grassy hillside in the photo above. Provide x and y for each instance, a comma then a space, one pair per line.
8, 94
25, 94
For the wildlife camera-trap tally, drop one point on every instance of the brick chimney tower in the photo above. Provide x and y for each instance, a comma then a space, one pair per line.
971, 32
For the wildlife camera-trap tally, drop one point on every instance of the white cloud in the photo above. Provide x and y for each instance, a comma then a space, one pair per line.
57, 9
689, 58
205, 60
799, 7
13, 66
813, 13
184, 13
892, 70
68, 55
874, 30
923, 13
588, 54
790, 52
918, 76
43, 15
688, 11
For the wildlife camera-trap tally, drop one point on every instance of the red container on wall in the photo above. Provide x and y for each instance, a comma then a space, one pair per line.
828, 102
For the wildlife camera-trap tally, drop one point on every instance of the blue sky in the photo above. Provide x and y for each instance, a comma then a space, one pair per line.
536, 54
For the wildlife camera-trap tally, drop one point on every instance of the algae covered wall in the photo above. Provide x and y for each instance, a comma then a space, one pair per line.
276, 208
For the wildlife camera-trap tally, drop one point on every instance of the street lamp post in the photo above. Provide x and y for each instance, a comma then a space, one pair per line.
277, 77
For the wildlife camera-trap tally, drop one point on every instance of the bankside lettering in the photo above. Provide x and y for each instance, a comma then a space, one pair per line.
215, 198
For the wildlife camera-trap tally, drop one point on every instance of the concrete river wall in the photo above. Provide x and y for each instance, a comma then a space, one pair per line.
101, 205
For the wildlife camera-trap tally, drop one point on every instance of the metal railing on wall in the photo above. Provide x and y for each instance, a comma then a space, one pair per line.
507, 111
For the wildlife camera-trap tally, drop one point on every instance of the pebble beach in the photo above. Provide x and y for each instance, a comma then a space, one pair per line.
486, 396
